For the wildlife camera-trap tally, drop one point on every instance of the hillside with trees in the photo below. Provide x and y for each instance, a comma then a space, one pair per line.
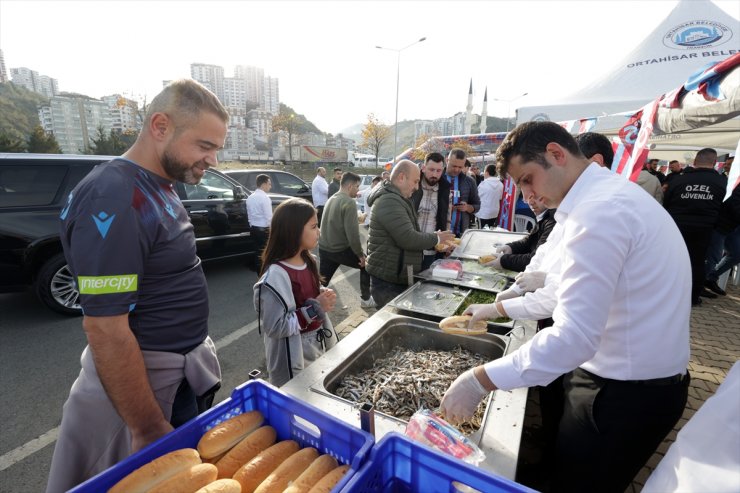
19, 111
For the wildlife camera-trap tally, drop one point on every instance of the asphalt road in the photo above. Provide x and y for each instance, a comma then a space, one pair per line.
40, 351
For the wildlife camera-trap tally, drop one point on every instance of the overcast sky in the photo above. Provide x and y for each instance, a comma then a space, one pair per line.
324, 52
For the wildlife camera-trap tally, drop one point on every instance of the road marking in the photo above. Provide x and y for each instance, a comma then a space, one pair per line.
28, 448
32, 446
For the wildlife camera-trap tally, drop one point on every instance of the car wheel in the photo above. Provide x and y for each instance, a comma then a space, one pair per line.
56, 288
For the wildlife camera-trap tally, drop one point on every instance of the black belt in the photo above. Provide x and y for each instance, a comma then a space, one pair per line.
658, 382
653, 382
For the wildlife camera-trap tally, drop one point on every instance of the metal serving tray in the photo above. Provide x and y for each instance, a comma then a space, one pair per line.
500, 434
430, 298
494, 283
477, 242
414, 334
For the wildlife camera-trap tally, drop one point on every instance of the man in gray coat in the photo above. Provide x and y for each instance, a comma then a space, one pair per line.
395, 242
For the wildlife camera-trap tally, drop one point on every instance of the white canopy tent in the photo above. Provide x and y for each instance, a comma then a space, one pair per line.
695, 34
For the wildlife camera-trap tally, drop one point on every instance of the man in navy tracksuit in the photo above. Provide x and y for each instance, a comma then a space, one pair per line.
694, 200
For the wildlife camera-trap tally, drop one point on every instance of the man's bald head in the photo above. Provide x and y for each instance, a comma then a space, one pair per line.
405, 176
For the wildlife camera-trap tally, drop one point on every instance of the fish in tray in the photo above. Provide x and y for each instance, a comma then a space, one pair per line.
407, 380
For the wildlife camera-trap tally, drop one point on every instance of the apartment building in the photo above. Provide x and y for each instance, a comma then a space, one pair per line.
271, 95
75, 120
3, 70
124, 113
254, 78
211, 76
260, 121
33, 81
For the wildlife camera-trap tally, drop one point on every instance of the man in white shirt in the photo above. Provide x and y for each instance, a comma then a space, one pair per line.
320, 192
621, 331
259, 212
490, 191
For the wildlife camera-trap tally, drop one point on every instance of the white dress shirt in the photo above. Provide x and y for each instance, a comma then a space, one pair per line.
624, 297
541, 303
490, 191
319, 191
259, 209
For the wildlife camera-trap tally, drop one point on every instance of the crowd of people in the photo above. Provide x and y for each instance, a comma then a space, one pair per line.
611, 354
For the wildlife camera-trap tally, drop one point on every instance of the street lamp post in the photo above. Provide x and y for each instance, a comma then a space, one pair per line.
398, 83
508, 108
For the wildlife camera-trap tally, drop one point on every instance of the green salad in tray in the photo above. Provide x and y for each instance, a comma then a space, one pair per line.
478, 298
474, 267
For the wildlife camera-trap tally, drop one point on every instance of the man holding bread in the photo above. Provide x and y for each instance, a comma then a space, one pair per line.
395, 243
149, 365
624, 360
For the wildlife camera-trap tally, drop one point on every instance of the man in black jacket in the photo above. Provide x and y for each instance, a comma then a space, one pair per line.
431, 201
516, 255
694, 200
464, 200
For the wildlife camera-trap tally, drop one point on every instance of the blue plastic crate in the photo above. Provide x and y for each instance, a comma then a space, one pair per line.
399, 465
292, 419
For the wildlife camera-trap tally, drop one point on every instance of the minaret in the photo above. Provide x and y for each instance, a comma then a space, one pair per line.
469, 109
484, 113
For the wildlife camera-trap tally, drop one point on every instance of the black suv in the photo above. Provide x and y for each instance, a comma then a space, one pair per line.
282, 182
33, 188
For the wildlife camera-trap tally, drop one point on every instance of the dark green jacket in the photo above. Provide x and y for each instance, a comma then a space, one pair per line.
394, 240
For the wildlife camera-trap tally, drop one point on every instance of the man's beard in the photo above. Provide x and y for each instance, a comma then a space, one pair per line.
431, 181
178, 170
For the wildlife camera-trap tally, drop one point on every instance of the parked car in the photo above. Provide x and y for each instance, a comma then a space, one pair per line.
283, 183
33, 188
366, 182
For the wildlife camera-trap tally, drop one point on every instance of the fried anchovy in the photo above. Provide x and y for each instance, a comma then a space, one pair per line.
407, 380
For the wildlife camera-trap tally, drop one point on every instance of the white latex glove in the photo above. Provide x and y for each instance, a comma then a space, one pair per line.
481, 312
531, 281
503, 249
507, 295
462, 398
495, 263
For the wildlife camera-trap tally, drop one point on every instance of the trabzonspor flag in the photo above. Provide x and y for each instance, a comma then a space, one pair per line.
631, 144
508, 199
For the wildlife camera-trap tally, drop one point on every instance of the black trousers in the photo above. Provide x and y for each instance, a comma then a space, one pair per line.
491, 223
187, 405
329, 262
610, 429
384, 291
260, 236
697, 242
319, 213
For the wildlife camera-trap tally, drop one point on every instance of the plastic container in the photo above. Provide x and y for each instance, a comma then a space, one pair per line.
292, 419
399, 465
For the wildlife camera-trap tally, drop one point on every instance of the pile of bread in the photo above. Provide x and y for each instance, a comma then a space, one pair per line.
237, 456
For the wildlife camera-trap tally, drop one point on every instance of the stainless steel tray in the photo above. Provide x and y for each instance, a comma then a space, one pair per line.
477, 242
494, 283
430, 298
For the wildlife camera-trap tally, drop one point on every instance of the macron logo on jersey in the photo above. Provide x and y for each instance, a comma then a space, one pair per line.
124, 283
103, 222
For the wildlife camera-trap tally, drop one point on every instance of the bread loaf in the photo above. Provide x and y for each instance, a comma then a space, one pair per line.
225, 435
189, 480
317, 470
158, 470
290, 469
458, 324
245, 451
328, 482
484, 259
251, 474
222, 486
